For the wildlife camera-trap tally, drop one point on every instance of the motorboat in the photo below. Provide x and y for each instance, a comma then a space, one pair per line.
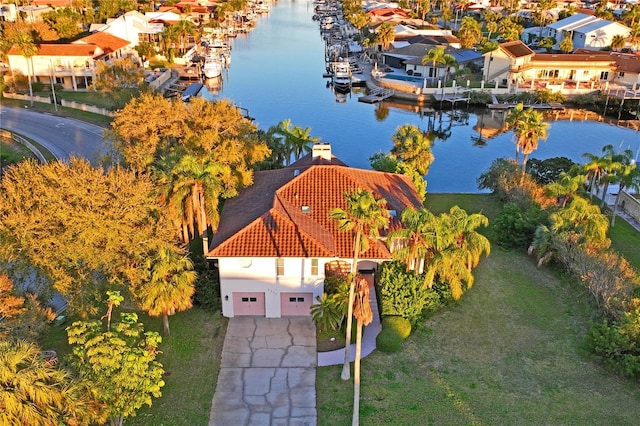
212, 67
341, 76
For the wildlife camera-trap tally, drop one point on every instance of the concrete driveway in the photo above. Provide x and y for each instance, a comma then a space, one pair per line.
267, 375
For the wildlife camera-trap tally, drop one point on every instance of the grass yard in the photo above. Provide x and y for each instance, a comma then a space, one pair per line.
512, 351
89, 117
191, 359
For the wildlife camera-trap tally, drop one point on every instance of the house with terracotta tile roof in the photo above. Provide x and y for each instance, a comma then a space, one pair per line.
276, 240
71, 65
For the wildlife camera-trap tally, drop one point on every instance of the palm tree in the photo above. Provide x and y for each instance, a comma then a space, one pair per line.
169, 36
583, 219
170, 285
24, 44
528, 127
35, 392
627, 176
385, 35
614, 164
437, 57
364, 217
544, 6
413, 147
594, 171
297, 141
566, 45
471, 243
470, 32
411, 243
183, 29
364, 316
617, 42
566, 187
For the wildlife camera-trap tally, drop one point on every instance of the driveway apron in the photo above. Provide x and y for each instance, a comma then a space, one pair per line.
267, 375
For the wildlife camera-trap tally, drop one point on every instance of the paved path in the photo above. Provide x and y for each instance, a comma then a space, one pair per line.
267, 375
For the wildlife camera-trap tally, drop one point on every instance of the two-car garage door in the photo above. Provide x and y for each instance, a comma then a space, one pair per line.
291, 304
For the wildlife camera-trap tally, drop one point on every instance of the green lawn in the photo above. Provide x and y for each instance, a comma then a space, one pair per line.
89, 117
512, 351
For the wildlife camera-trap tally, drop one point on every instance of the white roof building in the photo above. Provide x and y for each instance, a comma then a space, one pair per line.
586, 31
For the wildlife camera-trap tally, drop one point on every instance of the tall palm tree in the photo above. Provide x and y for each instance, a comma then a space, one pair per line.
614, 165
543, 8
23, 42
565, 188
617, 42
471, 243
437, 57
364, 316
170, 285
35, 392
627, 176
413, 147
594, 171
470, 32
566, 45
411, 243
183, 29
364, 216
528, 127
297, 141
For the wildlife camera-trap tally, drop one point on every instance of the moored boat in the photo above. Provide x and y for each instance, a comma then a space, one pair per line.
212, 67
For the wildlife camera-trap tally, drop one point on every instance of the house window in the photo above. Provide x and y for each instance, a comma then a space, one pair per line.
314, 266
296, 299
621, 74
280, 266
249, 299
604, 75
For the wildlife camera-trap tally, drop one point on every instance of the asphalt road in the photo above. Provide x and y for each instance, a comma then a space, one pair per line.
64, 137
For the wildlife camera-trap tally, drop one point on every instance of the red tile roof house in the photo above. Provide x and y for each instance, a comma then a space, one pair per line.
276, 238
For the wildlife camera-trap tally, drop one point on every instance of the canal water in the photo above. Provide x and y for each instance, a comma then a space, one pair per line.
276, 73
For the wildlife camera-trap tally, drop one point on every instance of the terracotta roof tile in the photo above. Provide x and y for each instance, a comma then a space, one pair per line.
63, 50
107, 42
287, 213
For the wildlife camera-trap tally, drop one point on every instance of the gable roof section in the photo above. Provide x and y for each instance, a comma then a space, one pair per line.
516, 49
107, 42
285, 214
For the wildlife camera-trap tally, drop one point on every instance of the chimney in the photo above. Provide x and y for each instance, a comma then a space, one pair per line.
322, 151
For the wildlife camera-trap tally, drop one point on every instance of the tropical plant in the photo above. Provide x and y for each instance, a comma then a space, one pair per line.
364, 316
170, 286
566, 187
437, 57
183, 29
297, 141
33, 391
566, 45
617, 42
470, 32
385, 34
413, 147
528, 127
411, 244
24, 44
329, 312
364, 216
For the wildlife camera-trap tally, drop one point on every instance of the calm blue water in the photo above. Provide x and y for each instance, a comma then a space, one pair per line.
277, 71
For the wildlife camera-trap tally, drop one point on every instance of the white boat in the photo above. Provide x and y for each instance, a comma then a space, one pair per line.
212, 67
341, 76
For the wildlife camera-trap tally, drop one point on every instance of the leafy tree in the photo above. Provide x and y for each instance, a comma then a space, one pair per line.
364, 217
120, 364
412, 146
510, 29
170, 286
548, 170
515, 227
329, 312
35, 392
65, 22
121, 80
85, 228
542, 8
146, 50
547, 43
21, 317
566, 187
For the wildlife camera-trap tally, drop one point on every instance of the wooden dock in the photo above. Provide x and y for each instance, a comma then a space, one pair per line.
376, 95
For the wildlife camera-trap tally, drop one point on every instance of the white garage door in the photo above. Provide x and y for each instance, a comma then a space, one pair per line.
295, 304
248, 304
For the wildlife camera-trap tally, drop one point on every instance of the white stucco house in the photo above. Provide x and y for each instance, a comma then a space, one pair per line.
586, 31
276, 239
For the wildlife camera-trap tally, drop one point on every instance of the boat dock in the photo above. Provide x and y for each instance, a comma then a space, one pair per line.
550, 106
376, 95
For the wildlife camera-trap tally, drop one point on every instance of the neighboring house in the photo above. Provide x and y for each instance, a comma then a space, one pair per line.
31, 14
8, 12
71, 65
276, 240
513, 62
133, 27
627, 71
409, 58
586, 31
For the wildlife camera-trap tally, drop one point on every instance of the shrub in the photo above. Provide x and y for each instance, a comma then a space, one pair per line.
402, 293
335, 284
328, 313
208, 291
618, 343
398, 324
515, 227
388, 341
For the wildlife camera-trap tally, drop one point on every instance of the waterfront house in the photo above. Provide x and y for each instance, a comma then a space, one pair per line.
586, 31
515, 63
133, 27
276, 241
71, 65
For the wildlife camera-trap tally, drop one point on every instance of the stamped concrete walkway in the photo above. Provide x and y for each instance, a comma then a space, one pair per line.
267, 375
